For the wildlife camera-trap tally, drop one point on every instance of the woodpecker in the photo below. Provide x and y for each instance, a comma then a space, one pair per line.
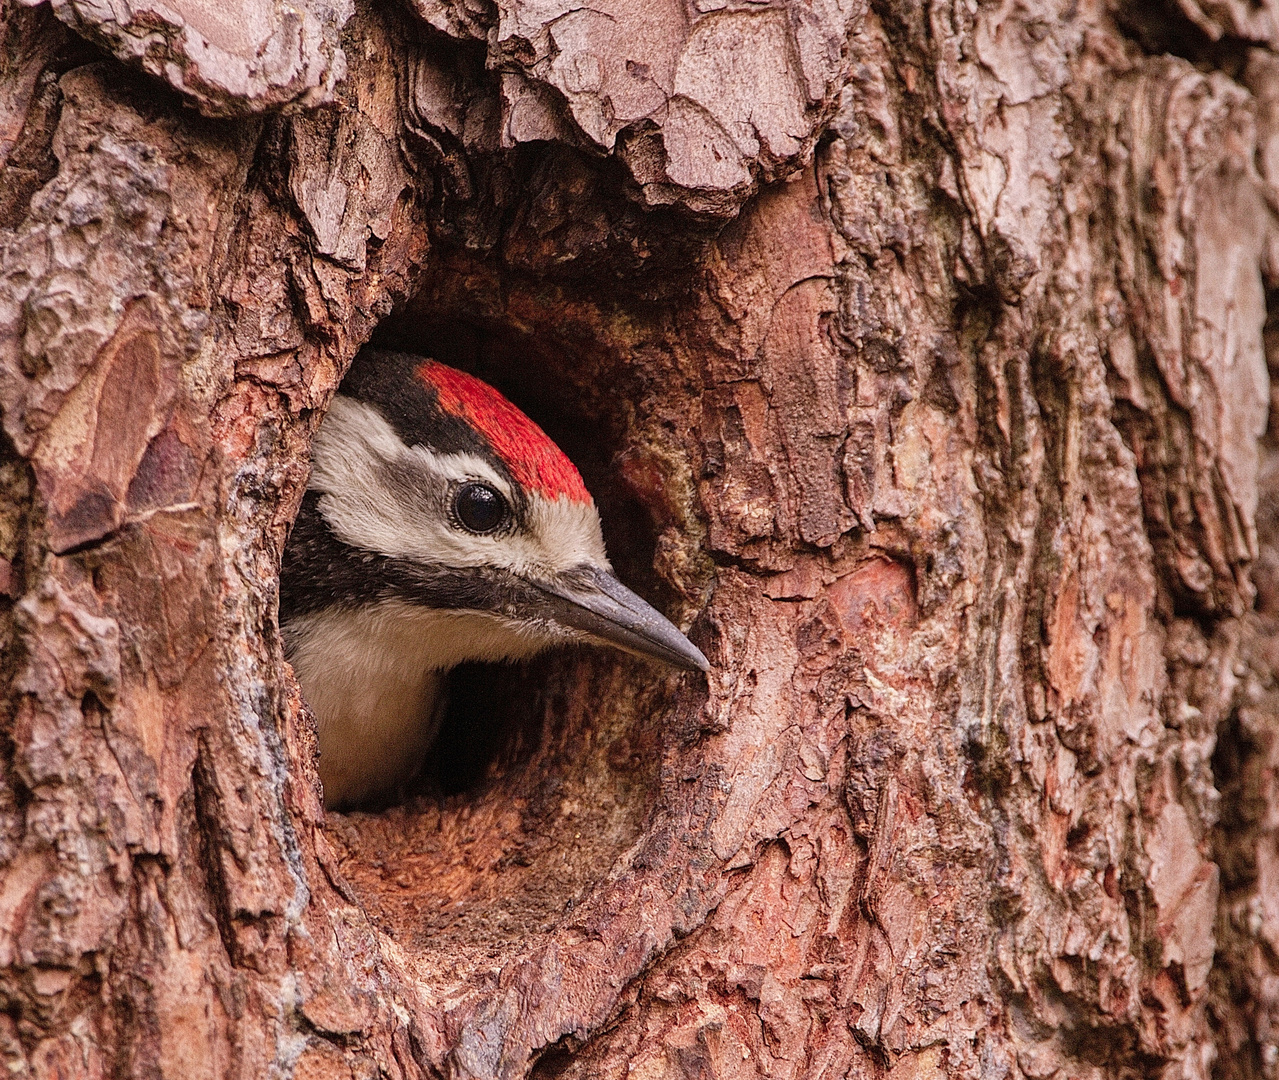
440, 525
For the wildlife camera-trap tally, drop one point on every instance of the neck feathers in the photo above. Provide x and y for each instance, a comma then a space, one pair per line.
374, 677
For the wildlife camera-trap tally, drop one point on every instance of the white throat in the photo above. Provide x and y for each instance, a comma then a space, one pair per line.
374, 677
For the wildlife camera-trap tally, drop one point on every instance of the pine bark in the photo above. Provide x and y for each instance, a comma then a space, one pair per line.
916, 354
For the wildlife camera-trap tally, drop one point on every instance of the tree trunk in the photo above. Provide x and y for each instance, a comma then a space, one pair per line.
917, 357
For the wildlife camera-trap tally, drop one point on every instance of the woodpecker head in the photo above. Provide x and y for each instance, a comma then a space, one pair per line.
432, 493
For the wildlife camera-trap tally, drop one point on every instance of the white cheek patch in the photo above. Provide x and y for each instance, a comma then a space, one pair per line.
567, 532
355, 452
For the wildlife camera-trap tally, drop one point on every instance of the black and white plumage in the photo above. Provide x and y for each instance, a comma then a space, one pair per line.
441, 525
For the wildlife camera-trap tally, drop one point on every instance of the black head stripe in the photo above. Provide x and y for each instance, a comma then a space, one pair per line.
388, 381
320, 571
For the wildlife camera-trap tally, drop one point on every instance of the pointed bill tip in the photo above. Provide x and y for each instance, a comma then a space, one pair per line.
593, 601
681, 652
697, 659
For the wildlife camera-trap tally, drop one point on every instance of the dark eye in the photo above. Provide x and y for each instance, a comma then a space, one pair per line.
480, 508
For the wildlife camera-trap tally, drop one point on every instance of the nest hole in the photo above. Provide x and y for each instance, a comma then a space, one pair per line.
544, 772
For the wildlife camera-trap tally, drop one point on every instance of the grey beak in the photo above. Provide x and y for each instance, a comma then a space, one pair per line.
595, 602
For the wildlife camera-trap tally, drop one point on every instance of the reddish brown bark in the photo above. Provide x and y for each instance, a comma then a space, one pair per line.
917, 358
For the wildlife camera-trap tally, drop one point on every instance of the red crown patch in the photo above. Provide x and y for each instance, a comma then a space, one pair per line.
525, 449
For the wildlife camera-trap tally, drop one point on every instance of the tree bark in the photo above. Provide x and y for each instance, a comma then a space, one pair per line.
917, 357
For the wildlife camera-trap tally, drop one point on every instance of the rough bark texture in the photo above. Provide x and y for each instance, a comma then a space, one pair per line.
917, 355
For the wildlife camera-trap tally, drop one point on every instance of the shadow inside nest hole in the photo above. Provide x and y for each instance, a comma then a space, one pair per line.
543, 774
543, 771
